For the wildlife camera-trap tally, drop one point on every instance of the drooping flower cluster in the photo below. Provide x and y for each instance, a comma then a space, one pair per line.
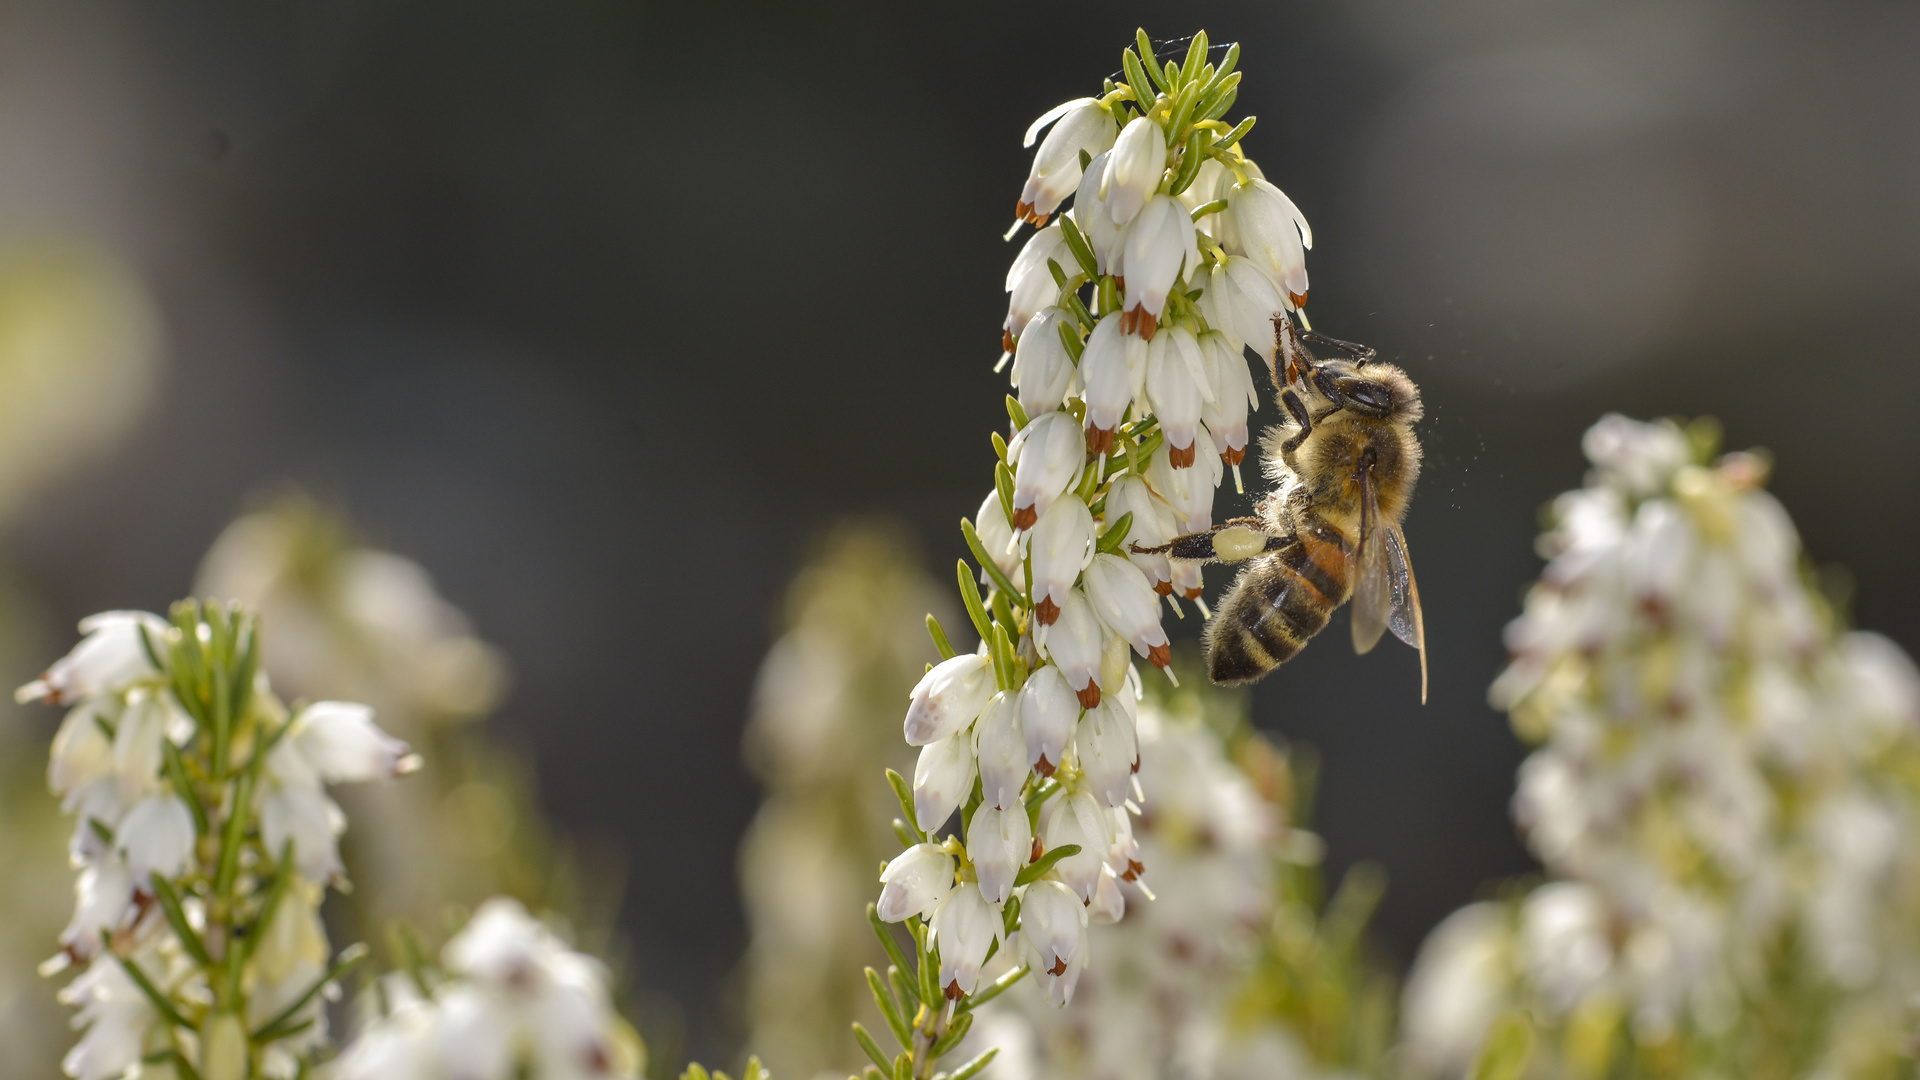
204, 839
511, 1000
1725, 790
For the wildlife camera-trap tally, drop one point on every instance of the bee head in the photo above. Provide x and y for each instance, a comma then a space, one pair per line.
1378, 390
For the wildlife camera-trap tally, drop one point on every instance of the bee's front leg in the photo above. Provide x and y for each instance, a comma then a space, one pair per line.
1228, 542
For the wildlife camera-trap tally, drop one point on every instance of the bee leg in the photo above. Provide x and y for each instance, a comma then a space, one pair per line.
1362, 354
1291, 402
1231, 541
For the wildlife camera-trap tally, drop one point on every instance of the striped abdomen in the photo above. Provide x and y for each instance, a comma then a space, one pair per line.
1279, 601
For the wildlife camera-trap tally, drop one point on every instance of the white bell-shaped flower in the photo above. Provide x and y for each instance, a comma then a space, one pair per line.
1209, 183
1048, 712
1123, 857
108, 658
1080, 125
965, 926
1042, 368
1091, 217
1233, 397
1078, 818
304, 816
156, 837
1107, 380
1178, 388
1047, 457
149, 716
1154, 248
1123, 598
997, 536
1030, 284
947, 699
342, 744
942, 779
915, 882
1188, 492
102, 894
1108, 751
1074, 642
117, 1017
1187, 580
1241, 302
1272, 233
1001, 746
1134, 168
1109, 904
1151, 526
1053, 926
1059, 546
998, 844
81, 751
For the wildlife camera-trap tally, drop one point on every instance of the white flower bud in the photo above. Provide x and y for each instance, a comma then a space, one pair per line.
1108, 905
1077, 818
1123, 598
1188, 492
916, 881
1053, 926
1241, 302
1233, 397
1002, 748
1060, 545
1134, 169
1107, 751
1107, 377
1153, 248
1083, 126
1091, 216
109, 657
156, 836
996, 535
1074, 642
965, 926
1177, 387
1048, 711
942, 779
1152, 526
1042, 369
998, 843
1030, 283
341, 742
946, 699
1047, 456
1272, 233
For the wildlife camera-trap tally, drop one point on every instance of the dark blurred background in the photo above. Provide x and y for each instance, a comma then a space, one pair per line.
601, 310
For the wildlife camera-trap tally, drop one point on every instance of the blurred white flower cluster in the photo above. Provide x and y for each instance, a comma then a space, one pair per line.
204, 840
1726, 794
511, 1000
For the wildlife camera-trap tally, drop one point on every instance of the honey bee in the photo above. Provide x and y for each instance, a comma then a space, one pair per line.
1343, 465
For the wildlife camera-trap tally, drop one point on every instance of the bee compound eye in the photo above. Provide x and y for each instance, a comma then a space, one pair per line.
1370, 396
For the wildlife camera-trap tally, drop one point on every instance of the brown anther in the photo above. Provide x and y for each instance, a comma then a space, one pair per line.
1046, 611
1134, 869
1234, 455
1006, 340
1127, 320
597, 1060
1044, 768
1023, 210
954, 993
1164, 588
1299, 299
1089, 696
1147, 324
1135, 767
1099, 440
1181, 458
1191, 594
1039, 848
1160, 656
1059, 967
1024, 517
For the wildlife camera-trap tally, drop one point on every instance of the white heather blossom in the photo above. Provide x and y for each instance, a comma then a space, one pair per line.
965, 927
156, 837
1047, 457
1134, 169
106, 661
942, 778
1060, 545
1043, 371
116, 1017
1155, 247
102, 895
1074, 643
1091, 216
998, 843
1271, 232
1105, 747
1241, 302
81, 751
339, 741
1459, 984
1048, 712
1053, 927
1225, 411
1178, 388
1030, 284
1107, 381
1187, 491
1123, 598
1082, 125
916, 881
997, 536
1152, 526
1001, 747
1078, 819
948, 698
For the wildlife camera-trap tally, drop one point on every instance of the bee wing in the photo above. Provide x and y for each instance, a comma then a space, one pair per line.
1372, 579
1405, 619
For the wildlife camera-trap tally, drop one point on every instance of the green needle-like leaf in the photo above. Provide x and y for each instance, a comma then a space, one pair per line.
904, 792
277, 1028
1077, 243
889, 1008
939, 635
970, 596
872, 1048
1116, 536
885, 935
160, 1002
1016, 413
163, 891
994, 989
994, 573
1033, 870
951, 1037
972, 1068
